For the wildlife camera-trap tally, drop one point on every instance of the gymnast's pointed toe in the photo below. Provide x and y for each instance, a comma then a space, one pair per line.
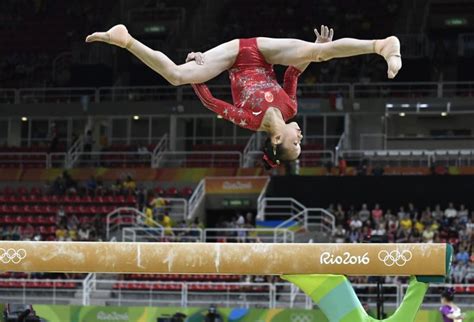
389, 48
117, 35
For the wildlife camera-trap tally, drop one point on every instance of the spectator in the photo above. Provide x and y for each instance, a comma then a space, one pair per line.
117, 187
428, 235
354, 235
463, 214
412, 211
403, 235
60, 216
140, 194
401, 213
15, 233
84, 233
241, 233
406, 223
462, 256
129, 185
72, 222
72, 233
91, 186
167, 224
149, 220
159, 206
364, 214
450, 212
438, 213
28, 232
459, 272
426, 217
339, 214
339, 234
377, 214
61, 233
380, 231
366, 234
355, 223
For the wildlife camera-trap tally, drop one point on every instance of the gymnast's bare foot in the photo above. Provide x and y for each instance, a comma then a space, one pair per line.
117, 35
389, 48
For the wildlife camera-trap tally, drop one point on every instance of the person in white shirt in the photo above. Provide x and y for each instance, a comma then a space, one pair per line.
450, 212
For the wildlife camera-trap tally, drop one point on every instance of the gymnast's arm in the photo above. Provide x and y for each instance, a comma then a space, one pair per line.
227, 111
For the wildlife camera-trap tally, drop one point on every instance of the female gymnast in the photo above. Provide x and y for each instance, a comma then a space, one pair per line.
259, 102
450, 311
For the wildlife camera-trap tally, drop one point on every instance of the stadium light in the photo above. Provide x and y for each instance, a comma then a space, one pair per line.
24, 119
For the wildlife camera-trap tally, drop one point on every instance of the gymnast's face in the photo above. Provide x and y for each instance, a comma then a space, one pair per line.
291, 141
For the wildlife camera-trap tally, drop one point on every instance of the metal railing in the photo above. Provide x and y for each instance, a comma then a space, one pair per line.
128, 292
248, 235
113, 159
193, 159
161, 234
47, 291
251, 146
160, 147
57, 95
419, 158
288, 212
156, 93
25, 159
74, 151
196, 199
126, 217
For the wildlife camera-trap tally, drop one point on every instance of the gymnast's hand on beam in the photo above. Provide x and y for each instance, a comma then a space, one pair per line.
197, 57
325, 35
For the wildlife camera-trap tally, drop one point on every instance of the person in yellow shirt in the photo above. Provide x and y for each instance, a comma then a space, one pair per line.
72, 234
149, 220
167, 224
61, 233
159, 205
419, 226
406, 223
129, 184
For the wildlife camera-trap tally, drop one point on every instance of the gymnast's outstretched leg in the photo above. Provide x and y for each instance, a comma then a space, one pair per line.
218, 59
294, 52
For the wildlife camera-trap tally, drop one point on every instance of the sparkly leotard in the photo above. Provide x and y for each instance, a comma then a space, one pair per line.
254, 89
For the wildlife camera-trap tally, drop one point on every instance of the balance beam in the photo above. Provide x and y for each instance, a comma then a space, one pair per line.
223, 258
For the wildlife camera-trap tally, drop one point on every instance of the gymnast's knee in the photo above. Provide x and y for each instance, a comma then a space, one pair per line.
176, 77
320, 53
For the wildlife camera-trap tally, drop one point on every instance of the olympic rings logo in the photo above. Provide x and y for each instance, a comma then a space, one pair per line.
12, 255
395, 257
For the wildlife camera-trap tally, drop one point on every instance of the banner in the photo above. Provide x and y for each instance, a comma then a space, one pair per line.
235, 185
63, 313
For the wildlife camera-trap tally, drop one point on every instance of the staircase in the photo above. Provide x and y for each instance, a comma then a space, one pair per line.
314, 224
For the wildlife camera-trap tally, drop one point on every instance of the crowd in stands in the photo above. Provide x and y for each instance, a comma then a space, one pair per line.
408, 224
64, 222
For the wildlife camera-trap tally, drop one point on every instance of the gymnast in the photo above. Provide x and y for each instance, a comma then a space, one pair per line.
260, 103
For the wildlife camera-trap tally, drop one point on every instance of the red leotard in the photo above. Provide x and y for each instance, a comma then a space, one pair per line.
254, 89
